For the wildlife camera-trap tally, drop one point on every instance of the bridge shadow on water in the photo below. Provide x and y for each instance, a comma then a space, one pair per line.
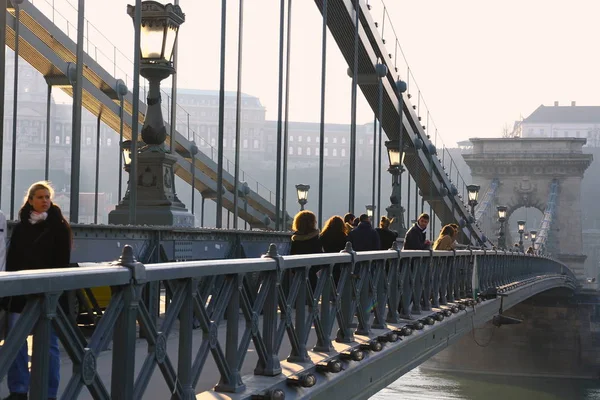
424, 383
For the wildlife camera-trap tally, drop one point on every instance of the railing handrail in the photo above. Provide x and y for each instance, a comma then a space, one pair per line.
110, 273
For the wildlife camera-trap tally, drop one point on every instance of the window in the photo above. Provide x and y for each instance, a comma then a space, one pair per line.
344, 140
326, 152
299, 138
108, 142
224, 142
88, 141
360, 141
334, 140
255, 144
318, 139
343, 152
335, 152
370, 141
57, 139
291, 151
316, 151
326, 140
308, 139
245, 143
291, 138
213, 142
299, 151
308, 151
542, 132
68, 139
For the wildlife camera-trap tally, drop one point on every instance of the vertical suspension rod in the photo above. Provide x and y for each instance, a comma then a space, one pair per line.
219, 220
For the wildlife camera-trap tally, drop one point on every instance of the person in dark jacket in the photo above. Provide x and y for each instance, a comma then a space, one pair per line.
305, 240
387, 237
334, 235
415, 237
364, 237
41, 240
333, 238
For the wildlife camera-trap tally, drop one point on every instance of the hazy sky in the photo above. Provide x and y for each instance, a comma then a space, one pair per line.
479, 64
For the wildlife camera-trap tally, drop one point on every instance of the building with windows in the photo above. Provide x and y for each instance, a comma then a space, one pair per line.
564, 121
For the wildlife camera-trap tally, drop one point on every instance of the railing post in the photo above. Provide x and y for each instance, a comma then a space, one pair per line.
407, 283
452, 278
42, 346
234, 382
327, 317
345, 309
393, 286
427, 289
125, 327
436, 268
300, 354
186, 322
272, 366
417, 289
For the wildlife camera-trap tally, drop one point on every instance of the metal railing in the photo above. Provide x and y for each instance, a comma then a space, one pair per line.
117, 63
277, 296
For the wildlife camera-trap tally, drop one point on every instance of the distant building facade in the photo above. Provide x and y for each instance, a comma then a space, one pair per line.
564, 121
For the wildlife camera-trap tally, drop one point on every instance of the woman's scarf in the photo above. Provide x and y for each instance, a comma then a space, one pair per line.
36, 217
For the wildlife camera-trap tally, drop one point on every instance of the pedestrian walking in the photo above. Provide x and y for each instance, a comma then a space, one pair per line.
40, 240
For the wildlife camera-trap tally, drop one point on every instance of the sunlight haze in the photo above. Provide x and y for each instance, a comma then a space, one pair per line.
479, 65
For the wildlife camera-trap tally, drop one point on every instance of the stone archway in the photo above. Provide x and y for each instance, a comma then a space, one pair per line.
525, 168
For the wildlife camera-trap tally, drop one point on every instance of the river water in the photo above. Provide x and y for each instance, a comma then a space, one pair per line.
422, 383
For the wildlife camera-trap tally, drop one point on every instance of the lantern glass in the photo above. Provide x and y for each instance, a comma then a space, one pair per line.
521, 226
526, 236
501, 212
151, 42
302, 192
370, 210
473, 192
394, 156
533, 235
170, 39
126, 151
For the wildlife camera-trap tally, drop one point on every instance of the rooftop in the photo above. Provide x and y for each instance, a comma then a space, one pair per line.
564, 115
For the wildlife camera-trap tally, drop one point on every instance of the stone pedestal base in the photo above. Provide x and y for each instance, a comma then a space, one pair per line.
157, 203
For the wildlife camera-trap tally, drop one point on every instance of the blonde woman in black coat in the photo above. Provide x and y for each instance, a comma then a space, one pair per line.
41, 240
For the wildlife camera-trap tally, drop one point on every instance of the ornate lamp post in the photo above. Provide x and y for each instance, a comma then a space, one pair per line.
521, 224
370, 210
502, 219
473, 195
533, 237
302, 192
157, 201
395, 210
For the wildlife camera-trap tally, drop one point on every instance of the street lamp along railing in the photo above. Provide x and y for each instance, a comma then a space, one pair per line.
302, 193
160, 27
533, 235
370, 210
521, 226
156, 202
501, 219
473, 197
395, 212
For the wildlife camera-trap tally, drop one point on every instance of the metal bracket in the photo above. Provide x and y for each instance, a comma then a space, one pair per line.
127, 260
